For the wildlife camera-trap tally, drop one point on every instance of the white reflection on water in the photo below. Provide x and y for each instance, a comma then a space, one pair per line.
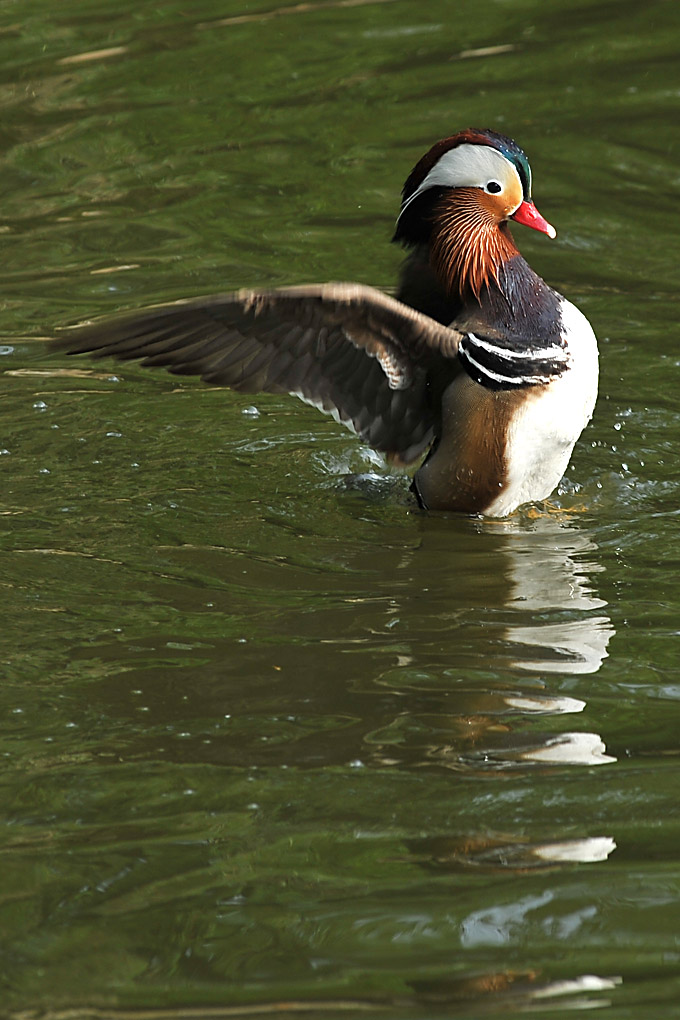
547, 705
550, 569
583, 983
498, 925
452, 852
514, 749
573, 851
571, 749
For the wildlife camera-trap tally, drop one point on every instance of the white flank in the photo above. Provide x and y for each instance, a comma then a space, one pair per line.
550, 420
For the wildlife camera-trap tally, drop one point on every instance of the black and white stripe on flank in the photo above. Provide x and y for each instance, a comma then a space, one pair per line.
508, 364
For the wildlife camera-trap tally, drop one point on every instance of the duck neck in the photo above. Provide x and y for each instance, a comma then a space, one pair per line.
477, 279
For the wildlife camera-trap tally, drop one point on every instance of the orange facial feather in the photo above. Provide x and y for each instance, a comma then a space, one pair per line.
470, 240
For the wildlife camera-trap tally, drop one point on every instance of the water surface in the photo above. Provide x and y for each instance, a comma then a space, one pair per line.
270, 734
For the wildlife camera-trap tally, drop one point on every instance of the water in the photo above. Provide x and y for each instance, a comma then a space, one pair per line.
271, 737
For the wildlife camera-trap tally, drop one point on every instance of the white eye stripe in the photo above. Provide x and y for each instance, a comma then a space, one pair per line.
467, 166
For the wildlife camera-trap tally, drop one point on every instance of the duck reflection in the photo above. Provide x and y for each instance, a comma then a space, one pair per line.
525, 603
415, 640
454, 853
550, 569
518, 991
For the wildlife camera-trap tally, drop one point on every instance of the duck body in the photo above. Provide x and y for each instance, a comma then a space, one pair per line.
510, 420
507, 447
476, 362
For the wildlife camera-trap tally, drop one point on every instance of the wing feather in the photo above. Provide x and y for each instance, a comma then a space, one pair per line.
350, 350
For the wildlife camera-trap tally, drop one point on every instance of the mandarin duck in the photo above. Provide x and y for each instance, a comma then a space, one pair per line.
476, 364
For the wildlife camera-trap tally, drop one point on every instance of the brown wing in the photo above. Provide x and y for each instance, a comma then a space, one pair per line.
350, 350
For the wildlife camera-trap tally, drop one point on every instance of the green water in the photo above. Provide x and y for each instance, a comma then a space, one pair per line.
270, 736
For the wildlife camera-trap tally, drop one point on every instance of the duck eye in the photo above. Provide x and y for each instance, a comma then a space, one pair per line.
493, 187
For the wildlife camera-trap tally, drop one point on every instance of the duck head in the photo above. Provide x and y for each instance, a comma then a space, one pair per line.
457, 201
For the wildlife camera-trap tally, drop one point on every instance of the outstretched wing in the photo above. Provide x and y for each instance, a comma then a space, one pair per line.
350, 350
